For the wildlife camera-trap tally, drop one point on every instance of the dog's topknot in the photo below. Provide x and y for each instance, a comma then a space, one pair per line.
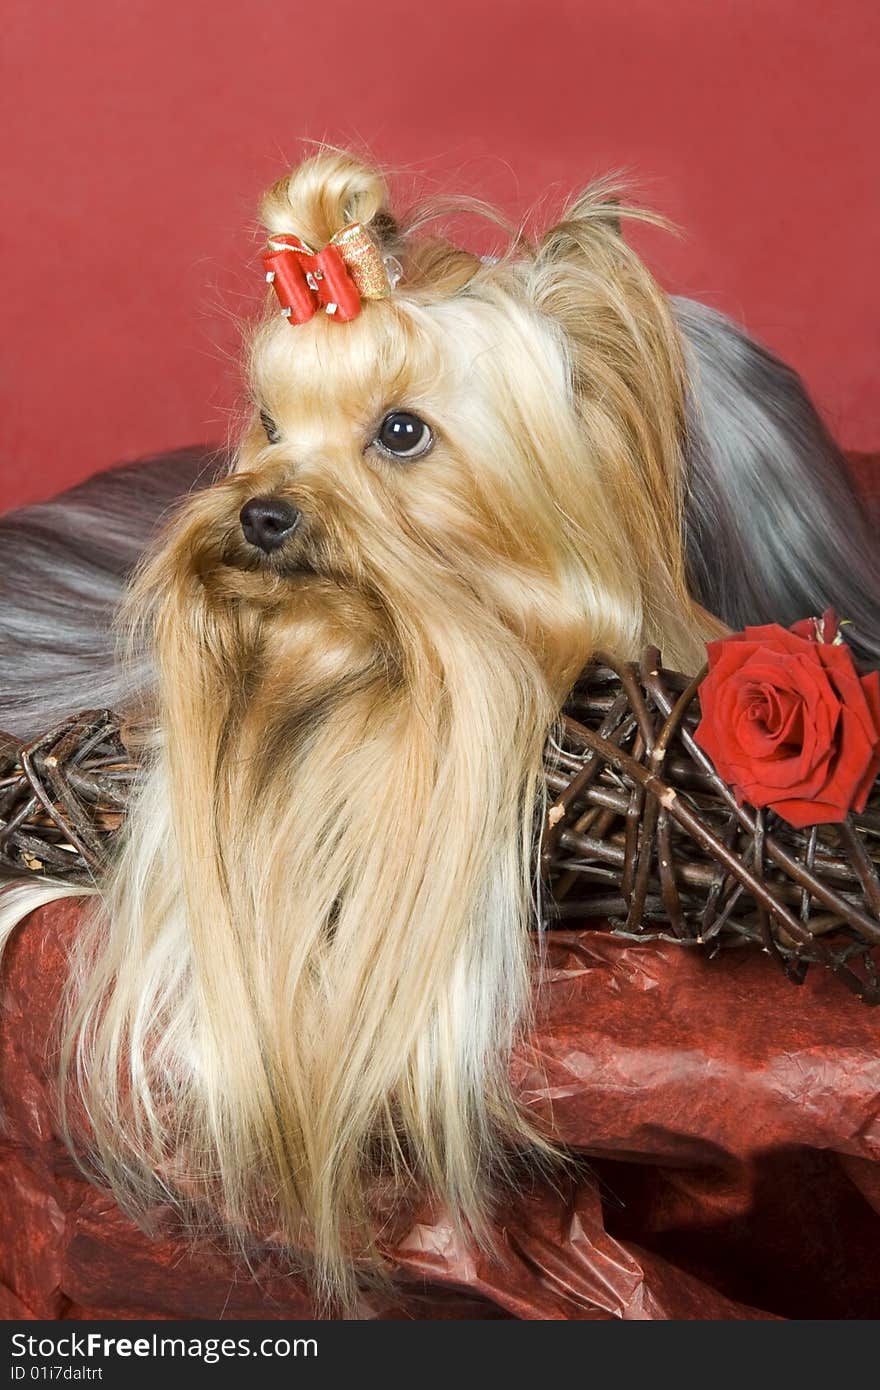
324, 194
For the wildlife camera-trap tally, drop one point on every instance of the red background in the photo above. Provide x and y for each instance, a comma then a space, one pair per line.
140, 136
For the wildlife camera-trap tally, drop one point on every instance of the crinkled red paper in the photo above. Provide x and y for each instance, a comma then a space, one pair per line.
727, 1118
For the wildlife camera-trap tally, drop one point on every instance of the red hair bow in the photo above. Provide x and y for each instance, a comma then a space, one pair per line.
350, 268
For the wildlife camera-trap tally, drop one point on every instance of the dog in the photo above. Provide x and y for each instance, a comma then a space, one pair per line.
346, 646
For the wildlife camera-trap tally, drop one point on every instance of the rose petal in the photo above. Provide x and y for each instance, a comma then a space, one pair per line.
801, 813
769, 721
776, 638
758, 789
871, 690
788, 767
854, 757
824, 629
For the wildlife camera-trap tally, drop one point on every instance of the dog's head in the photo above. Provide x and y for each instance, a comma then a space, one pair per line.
488, 444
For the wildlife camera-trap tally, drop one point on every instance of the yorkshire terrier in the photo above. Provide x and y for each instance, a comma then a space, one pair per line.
459, 479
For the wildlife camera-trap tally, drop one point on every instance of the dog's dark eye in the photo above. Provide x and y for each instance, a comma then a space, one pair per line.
273, 434
404, 435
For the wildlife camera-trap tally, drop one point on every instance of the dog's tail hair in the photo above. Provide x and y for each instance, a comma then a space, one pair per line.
775, 530
63, 567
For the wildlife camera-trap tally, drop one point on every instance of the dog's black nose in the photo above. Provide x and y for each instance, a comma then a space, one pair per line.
268, 521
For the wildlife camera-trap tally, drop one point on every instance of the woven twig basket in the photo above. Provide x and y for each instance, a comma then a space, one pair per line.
641, 831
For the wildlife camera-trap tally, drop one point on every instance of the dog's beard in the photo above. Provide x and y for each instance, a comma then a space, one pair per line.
318, 952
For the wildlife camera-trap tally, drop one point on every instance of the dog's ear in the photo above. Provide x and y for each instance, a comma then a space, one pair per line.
626, 366
593, 222
601, 206
616, 318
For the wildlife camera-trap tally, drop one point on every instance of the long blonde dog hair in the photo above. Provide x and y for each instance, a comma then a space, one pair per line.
311, 962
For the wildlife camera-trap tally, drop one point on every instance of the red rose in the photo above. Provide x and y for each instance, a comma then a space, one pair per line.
789, 723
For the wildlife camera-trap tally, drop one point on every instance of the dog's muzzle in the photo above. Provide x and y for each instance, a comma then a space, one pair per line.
267, 522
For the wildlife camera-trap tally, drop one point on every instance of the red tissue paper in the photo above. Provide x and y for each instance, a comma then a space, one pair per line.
724, 1124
